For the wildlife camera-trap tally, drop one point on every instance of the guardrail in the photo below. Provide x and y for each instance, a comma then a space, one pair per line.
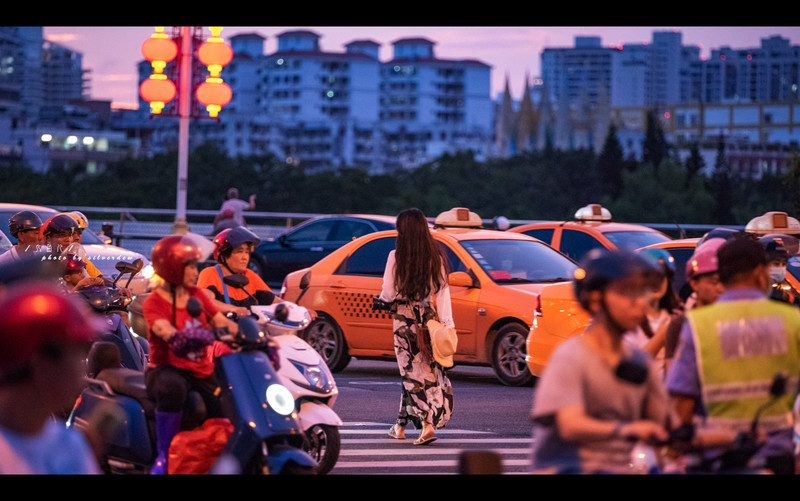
138, 229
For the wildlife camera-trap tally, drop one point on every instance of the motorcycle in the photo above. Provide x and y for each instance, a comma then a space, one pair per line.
306, 375
266, 435
109, 301
733, 458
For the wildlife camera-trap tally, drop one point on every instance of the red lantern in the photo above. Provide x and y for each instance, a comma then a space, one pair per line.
157, 90
159, 50
215, 53
214, 94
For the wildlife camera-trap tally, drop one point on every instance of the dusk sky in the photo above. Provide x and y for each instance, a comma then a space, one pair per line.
111, 53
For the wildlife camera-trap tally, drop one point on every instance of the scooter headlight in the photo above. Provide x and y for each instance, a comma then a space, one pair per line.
280, 399
317, 377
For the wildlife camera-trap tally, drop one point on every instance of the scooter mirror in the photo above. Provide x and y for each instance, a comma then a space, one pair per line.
778, 387
281, 312
193, 307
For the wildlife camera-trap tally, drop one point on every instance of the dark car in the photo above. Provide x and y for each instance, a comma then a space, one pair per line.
310, 241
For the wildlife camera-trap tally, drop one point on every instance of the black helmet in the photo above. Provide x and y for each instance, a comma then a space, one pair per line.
724, 233
231, 238
59, 222
777, 247
602, 267
23, 220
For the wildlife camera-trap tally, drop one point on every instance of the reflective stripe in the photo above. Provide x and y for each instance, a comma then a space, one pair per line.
740, 390
767, 424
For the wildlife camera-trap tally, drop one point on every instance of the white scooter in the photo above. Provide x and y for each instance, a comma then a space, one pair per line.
306, 375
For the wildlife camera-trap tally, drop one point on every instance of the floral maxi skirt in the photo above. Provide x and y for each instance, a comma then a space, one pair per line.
427, 395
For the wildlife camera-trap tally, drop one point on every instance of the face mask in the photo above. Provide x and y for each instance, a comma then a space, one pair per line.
777, 274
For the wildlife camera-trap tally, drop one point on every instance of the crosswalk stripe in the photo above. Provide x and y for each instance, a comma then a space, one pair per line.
445, 453
418, 463
428, 451
350, 431
410, 439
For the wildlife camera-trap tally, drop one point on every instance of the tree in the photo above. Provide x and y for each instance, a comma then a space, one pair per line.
791, 180
721, 188
694, 163
654, 149
610, 164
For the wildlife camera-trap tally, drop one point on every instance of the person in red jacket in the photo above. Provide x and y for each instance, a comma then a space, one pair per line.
182, 346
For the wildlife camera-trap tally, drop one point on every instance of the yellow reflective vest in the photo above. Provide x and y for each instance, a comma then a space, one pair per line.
740, 345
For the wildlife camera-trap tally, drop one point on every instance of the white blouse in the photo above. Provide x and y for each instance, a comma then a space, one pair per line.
389, 293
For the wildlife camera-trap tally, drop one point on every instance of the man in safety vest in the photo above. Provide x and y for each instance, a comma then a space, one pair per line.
730, 352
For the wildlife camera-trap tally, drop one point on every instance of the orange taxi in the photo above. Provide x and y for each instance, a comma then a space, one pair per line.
592, 228
776, 222
558, 315
495, 277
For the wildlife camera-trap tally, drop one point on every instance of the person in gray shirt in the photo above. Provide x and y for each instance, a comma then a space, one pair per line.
598, 395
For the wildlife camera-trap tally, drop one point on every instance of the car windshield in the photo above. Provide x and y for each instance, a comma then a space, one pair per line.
520, 261
633, 240
793, 266
5, 243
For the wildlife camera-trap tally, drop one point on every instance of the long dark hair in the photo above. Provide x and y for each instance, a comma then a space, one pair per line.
418, 259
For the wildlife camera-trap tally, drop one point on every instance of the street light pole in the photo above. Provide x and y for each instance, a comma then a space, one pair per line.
180, 225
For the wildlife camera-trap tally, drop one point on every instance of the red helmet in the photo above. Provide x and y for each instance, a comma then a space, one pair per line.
36, 313
170, 256
74, 263
231, 238
704, 260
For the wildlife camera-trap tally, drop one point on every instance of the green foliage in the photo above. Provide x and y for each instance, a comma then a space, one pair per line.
548, 185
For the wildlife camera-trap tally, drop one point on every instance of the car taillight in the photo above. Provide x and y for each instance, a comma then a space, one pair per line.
537, 306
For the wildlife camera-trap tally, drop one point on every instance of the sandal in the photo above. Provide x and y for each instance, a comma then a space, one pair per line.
426, 438
397, 432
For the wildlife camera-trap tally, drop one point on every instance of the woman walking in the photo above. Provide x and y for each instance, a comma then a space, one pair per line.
415, 279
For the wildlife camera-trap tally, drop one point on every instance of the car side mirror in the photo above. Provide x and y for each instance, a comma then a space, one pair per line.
461, 279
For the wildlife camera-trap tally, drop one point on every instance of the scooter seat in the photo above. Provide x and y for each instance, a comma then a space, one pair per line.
130, 383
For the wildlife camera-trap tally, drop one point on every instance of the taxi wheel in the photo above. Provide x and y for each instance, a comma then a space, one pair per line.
325, 336
508, 355
256, 265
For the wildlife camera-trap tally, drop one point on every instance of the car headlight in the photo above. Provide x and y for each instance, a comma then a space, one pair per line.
280, 399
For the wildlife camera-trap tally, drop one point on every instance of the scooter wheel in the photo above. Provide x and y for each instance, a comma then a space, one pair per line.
324, 444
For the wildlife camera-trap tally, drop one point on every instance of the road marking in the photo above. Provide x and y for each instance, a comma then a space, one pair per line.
409, 432
418, 463
397, 457
429, 451
409, 439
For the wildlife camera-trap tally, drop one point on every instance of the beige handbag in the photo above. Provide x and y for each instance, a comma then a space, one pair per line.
444, 341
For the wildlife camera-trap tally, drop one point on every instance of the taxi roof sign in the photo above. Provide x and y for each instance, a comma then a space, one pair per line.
773, 222
458, 217
593, 212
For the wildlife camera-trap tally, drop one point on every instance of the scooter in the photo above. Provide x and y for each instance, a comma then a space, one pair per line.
306, 375
735, 458
108, 301
266, 435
